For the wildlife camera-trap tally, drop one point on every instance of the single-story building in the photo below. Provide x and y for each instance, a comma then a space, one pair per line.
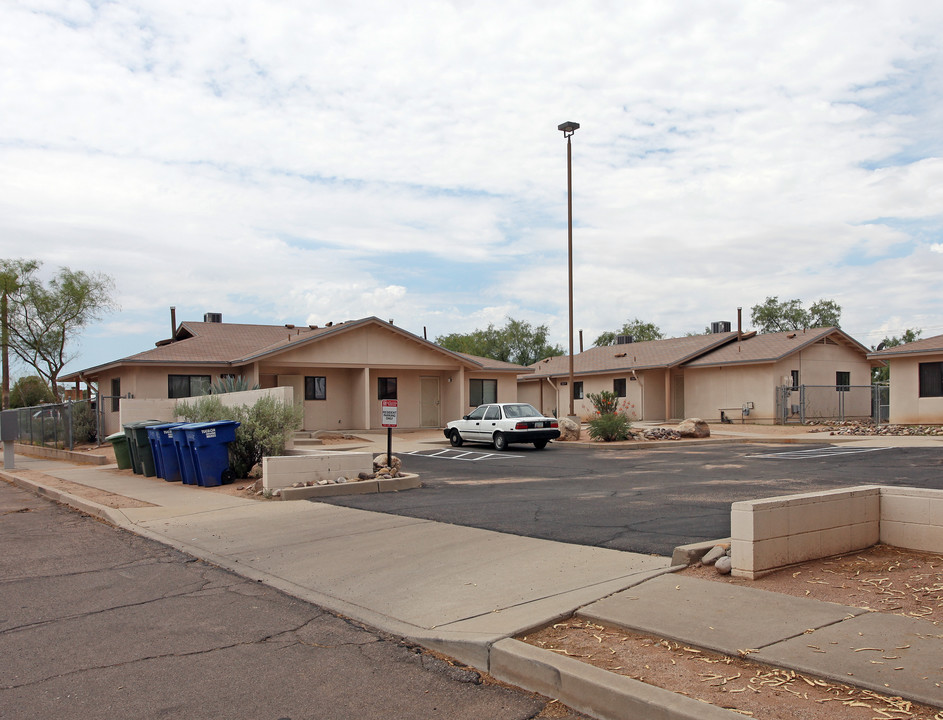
916, 378
339, 372
721, 375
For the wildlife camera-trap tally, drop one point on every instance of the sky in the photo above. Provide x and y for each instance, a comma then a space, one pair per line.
296, 161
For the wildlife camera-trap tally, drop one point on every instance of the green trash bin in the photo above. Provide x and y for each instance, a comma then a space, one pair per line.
119, 441
142, 459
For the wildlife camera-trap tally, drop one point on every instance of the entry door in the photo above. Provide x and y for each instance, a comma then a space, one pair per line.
429, 402
677, 397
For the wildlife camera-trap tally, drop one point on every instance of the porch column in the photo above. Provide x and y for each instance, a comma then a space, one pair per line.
360, 400
668, 394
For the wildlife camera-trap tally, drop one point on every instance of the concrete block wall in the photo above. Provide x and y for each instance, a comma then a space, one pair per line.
284, 470
777, 532
912, 518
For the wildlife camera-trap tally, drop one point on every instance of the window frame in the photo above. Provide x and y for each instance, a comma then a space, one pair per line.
479, 394
842, 380
578, 390
312, 390
386, 388
115, 394
619, 387
205, 380
930, 379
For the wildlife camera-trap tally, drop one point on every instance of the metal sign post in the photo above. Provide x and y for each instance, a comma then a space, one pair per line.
388, 412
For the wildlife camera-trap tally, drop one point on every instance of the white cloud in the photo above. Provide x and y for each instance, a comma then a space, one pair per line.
293, 160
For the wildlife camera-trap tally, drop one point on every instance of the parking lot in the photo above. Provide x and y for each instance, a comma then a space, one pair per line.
645, 501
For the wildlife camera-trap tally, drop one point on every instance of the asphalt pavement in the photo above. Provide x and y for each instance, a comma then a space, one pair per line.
462, 590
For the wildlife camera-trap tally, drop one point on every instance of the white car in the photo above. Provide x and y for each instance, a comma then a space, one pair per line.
503, 423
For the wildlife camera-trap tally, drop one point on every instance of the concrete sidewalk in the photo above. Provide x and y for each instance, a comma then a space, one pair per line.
467, 592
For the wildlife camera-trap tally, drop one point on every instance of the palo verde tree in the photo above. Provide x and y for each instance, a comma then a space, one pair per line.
517, 342
640, 332
775, 316
44, 318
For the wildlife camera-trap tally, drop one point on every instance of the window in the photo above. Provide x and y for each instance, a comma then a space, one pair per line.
578, 390
115, 394
386, 388
482, 391
227, 376
316, 388
931, 379
478, 413
618, 387
181, 386
795, 379
842, 381
493, 413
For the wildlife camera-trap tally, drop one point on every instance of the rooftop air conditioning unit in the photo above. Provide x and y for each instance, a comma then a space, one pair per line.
212, 317
720, 327
624, 339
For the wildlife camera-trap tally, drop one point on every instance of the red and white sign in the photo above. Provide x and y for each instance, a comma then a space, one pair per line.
388, 410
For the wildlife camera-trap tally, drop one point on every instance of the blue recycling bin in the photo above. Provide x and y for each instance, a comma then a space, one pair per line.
165, 453
184, 453
209, 444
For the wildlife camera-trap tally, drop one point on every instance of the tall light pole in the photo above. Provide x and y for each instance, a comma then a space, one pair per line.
568, 128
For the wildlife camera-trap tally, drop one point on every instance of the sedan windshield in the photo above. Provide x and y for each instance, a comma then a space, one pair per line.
522, 410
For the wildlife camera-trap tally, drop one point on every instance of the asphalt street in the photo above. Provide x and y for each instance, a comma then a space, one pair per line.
96, 622
646, 501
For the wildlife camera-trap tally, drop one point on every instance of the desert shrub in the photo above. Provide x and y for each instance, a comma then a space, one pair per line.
232, 384
264, 428
84, 423
610, 427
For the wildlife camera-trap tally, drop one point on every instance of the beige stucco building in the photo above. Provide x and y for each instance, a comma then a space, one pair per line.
741, 375
916, 378
340, 374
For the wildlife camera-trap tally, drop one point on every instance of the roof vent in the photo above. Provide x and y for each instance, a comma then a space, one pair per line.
624, 339
290, 327
212, 317
720, 327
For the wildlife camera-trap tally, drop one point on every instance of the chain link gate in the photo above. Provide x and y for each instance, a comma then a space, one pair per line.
832, 402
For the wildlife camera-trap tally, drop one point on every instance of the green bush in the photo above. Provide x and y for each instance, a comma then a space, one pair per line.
263, 429
610, 427
84, 423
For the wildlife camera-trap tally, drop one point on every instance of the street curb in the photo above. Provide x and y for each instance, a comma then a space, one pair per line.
689, 554
589, 689
109, 515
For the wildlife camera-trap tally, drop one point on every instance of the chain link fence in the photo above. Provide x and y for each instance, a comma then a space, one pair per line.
833, 402
59, 425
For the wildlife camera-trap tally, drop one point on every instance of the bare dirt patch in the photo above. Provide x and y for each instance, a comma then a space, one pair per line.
102, 497
882, 579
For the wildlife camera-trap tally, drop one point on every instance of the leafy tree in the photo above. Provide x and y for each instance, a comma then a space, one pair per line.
30, 390
43, 318
12, 275
775, 316
883, 374
516, 342
640, 332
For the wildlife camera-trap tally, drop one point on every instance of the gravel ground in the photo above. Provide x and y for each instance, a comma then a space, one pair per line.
882, 579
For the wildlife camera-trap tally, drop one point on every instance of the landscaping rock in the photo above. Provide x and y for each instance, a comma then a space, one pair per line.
569, 429
661, 434
718, 551
694, 428
723, 565
381, 461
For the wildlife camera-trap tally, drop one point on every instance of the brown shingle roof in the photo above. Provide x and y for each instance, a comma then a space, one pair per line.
633, 356
770, 347
927, 345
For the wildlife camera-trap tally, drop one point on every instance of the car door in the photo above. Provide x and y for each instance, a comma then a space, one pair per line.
470, 425
490, 422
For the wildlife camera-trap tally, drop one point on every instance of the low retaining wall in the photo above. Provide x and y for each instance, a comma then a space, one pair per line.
56, 454
283, 471
776, 532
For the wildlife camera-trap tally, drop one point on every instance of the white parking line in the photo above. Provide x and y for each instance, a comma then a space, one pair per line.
814, 453
466, 455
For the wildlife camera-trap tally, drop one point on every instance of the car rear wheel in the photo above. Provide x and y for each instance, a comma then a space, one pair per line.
540, 444
500, 442
455, 438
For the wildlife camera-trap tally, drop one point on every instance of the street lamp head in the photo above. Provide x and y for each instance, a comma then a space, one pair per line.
568, 128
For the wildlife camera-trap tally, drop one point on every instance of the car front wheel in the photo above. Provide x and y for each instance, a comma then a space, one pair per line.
500, 442
455, 438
